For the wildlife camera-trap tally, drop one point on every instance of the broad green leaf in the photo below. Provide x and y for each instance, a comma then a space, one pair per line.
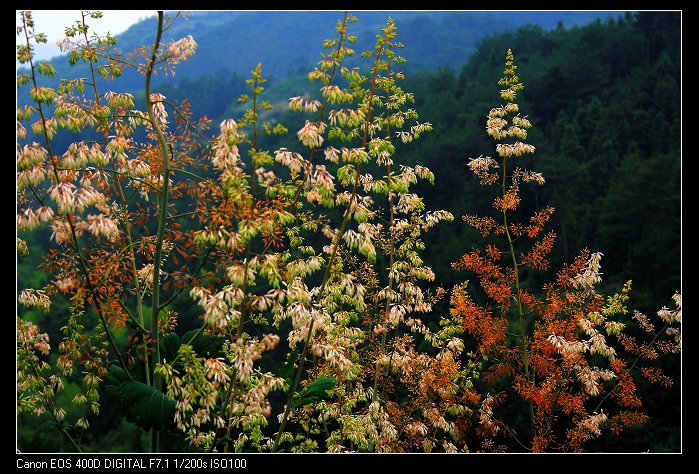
139, 403
315, 391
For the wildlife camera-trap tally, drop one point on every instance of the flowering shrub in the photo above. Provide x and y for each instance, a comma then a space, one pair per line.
566, 351
305, 271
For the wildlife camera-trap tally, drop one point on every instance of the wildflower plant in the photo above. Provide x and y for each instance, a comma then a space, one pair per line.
569, 353
352, 326
109, 201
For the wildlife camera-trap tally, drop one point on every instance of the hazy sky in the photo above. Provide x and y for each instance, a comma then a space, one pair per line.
54, 22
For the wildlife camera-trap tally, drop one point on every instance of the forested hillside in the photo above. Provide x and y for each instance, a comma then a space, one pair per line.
604, 102
605, 99
286, 42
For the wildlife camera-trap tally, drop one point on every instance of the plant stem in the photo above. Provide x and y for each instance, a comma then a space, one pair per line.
162, 220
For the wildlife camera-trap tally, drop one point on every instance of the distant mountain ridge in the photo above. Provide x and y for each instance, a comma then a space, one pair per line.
287, 42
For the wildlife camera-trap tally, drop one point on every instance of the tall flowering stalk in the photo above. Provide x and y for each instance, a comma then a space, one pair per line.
360, 314
568, 353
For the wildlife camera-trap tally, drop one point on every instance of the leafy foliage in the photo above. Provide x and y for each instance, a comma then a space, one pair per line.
139, 403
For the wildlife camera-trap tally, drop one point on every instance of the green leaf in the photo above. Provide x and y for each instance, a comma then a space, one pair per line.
116, 375
139, 403
286, 371
315, 391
